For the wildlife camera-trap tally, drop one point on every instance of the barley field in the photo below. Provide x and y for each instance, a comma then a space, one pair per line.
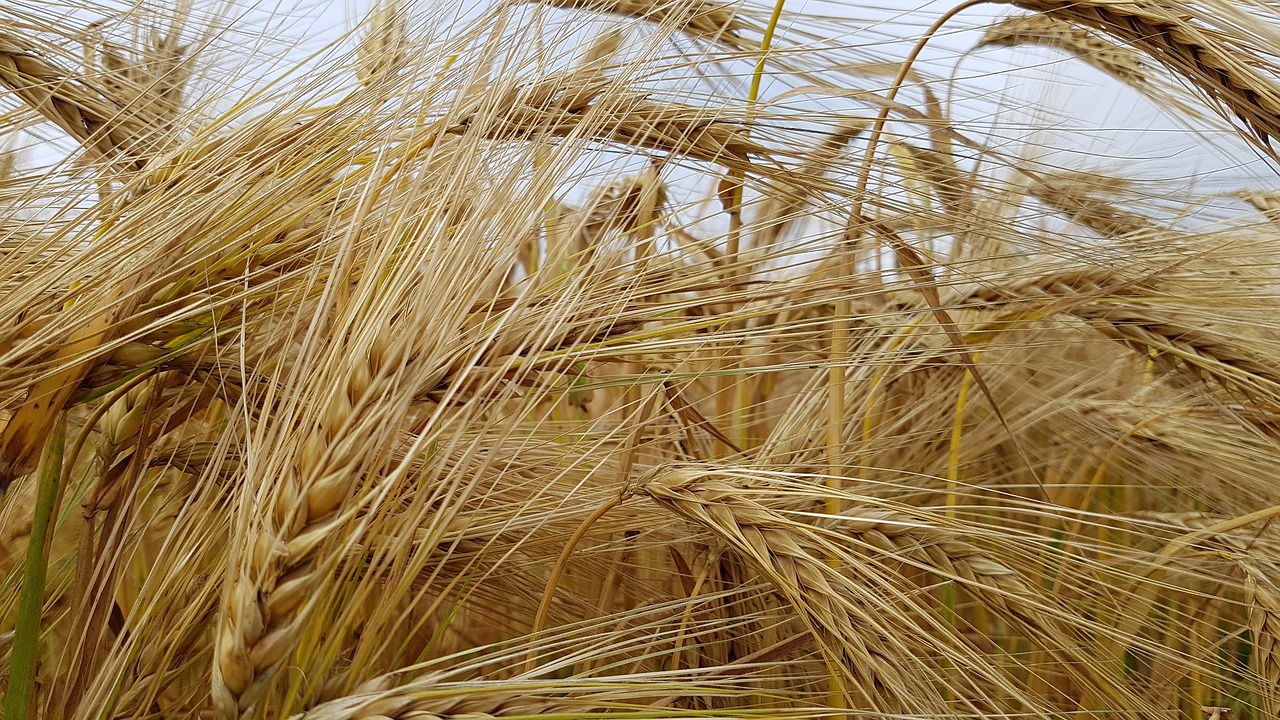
638, 360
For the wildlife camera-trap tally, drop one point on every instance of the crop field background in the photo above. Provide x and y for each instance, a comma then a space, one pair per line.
640, 359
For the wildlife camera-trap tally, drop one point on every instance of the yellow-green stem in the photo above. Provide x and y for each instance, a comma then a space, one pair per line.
957, 434
835, 402
729, 386
753, 96
26, 633
948, 594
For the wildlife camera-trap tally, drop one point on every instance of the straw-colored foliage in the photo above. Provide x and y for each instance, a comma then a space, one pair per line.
545, 361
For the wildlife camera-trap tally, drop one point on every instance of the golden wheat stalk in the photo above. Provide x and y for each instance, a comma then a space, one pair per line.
1218, 354
1078, 199
1042, 286
1251, 549
565, 105
385, 45
1127, 308
332, 515
418, 700
1266, 202
155, 294
149, 82
1263, 597
821, 576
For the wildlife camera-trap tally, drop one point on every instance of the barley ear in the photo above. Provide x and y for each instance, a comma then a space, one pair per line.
1188, 46
873, 668
1263, 598
98, 124
384, 46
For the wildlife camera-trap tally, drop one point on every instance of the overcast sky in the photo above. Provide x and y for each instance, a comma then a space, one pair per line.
1076, 116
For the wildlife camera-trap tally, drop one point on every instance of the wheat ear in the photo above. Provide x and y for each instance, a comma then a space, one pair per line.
149, 85
1266, 202
1202, 55
795, 560
84, 114
1120, 62
1094, 295
263, 607
1202, 349
1262, 597
802, 560
566, 104
1054, 285
700, 19
1076, 197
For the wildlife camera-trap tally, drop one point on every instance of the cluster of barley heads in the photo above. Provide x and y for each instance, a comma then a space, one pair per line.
621, 359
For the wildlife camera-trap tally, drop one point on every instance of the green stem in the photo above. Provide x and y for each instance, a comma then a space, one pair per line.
26, 633
753, 97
